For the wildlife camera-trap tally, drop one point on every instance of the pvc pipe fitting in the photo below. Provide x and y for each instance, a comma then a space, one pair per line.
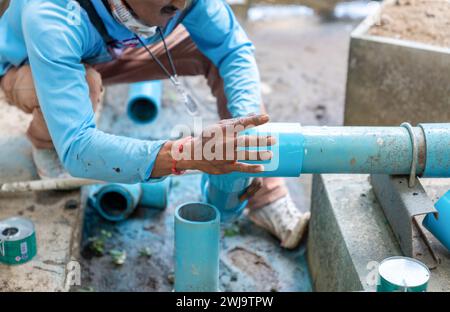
439, 226
144, 101
155, 195
197, 235
116, 202
223, 191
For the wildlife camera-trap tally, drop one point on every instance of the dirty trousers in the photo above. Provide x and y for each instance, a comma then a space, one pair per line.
135, 65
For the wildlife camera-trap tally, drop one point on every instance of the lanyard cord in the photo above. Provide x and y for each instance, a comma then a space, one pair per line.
189, 101
160, 64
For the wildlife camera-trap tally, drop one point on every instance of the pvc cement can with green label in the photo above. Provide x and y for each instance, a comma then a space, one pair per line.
17, 241
402, 274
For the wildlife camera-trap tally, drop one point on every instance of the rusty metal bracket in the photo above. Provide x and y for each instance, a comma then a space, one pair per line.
404, 208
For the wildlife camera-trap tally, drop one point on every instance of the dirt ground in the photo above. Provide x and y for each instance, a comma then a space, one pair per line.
425, 21
303, 63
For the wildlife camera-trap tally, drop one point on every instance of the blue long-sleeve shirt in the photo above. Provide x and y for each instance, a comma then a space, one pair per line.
56, 41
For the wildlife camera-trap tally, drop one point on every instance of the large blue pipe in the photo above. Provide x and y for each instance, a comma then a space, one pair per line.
382, 150
144, 101
197, 236
116, 202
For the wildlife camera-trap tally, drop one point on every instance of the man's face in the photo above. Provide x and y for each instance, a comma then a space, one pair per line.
155, 12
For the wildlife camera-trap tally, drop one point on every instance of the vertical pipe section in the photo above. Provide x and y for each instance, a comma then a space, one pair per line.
197, 233
144, 101
223, 191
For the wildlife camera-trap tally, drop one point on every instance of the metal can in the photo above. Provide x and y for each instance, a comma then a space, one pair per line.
17, 241
402, 274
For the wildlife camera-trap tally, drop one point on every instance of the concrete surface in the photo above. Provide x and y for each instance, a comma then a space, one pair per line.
391, 81
57, 229
14, 124
58, 235
344, 257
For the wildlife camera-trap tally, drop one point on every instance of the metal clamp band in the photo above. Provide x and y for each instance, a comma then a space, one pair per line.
415, 156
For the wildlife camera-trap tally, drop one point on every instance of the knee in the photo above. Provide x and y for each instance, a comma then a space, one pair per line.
19, 88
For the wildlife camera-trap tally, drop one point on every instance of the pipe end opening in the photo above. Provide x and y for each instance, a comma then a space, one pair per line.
113, 203
198, 212
143, 110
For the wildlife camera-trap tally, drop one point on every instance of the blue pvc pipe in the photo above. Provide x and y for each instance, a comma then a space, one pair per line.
357, 150
155, 195
440, 226
223, 191
144, 101
312, 150
197, 234
437, 139
116, 202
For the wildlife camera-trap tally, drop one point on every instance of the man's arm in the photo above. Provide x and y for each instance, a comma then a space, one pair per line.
55, 49
214, 28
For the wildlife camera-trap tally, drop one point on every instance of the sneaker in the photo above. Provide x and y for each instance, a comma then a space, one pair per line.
48, 164
282, 219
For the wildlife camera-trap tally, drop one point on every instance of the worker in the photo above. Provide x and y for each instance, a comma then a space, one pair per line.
56, 56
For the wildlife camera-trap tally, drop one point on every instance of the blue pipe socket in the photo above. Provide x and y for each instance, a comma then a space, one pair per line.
144, 101
314, 150
439, 225
116, 202
223, 191
197, 238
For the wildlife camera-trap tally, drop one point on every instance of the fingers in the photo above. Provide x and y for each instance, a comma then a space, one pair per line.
254, 155
252, 189
246, 168
249, 122
255, 141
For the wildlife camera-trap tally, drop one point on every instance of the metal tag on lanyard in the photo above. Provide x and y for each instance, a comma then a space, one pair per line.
190, 102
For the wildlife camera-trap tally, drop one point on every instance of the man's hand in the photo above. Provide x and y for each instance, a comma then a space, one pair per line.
218, 150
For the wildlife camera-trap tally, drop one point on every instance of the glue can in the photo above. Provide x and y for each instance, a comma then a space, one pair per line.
402, 274
17, 241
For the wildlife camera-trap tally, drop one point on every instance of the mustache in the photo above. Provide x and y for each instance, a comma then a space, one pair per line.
169, 10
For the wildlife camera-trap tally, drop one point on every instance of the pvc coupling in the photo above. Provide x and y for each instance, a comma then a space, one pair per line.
116, 202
